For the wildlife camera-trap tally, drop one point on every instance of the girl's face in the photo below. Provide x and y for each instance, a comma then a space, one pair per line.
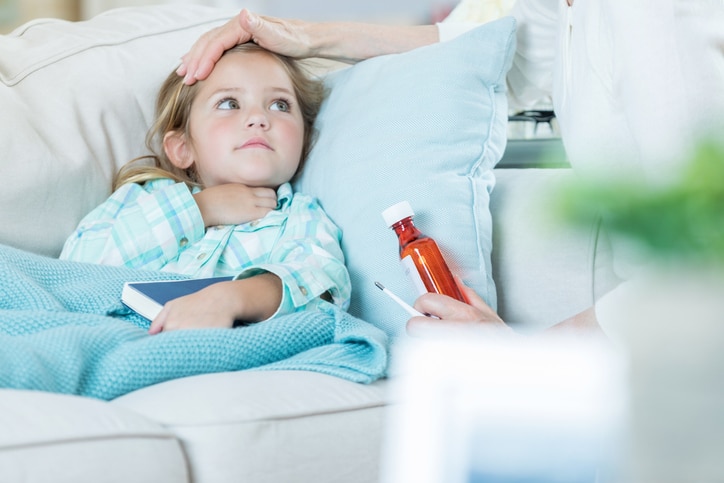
245, 123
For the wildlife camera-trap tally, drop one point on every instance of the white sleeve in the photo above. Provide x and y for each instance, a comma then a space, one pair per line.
450, 30
671, 75
530, 79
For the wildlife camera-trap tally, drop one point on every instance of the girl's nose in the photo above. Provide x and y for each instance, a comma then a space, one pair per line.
257, 118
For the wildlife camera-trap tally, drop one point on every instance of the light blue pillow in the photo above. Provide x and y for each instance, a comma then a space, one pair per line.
426, 126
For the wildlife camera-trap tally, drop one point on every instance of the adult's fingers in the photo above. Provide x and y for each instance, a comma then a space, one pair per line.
199, 61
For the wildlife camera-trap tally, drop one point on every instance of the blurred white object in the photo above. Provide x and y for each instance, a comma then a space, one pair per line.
671, 323
479, 409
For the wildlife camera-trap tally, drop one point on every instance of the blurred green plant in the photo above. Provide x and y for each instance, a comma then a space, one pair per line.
679, 222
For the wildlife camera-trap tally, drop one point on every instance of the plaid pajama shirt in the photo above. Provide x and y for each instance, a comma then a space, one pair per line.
158, 226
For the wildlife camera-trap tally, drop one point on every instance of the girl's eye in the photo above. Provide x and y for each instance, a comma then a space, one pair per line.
227, 104
280, 105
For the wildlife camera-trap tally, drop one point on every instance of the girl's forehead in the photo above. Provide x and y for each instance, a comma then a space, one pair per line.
251, 62
246, 71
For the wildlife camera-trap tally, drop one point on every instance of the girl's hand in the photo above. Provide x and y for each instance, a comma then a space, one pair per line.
251, 299
455, 315
211, 307
234, 204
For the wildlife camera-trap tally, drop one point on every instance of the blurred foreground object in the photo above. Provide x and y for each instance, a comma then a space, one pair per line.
669, 314
477, 408
673, 329
675, 223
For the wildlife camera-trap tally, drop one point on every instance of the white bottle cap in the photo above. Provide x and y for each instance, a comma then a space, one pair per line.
397, 212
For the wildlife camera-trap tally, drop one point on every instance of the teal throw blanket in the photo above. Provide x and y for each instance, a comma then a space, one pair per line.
63, 329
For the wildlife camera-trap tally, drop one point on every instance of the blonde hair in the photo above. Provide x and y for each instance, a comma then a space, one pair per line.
173, 108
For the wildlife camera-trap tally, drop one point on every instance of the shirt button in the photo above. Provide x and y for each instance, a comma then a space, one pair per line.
183, 242
254, 223
201, 256
303, 290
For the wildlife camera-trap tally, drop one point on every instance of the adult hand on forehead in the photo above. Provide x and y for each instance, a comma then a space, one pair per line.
282, 36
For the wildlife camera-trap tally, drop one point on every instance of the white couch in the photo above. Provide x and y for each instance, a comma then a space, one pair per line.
267, 426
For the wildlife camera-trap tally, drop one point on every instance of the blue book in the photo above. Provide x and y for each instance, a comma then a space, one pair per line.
148, 298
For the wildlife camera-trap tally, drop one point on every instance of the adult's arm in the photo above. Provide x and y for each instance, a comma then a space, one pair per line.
341, 41
529, 79
450, 314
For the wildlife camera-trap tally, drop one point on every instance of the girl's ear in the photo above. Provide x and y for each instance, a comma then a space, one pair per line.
177, 149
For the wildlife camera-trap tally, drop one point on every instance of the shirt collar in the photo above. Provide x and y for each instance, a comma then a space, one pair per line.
284, 195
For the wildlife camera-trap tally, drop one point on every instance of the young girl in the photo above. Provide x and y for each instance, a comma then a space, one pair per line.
217, 200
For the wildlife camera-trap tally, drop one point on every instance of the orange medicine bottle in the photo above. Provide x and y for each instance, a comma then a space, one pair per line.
419, 254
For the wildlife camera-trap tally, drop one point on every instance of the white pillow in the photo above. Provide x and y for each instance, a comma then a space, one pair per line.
426, 126
77, 99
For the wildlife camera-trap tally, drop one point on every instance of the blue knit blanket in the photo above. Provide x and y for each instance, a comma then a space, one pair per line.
63, 329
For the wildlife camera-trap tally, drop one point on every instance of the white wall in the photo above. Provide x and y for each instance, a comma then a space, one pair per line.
15, 12
393, 11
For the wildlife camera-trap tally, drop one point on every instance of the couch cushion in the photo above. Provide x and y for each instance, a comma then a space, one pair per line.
67, 439
425, 126
275, 425
76, 101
